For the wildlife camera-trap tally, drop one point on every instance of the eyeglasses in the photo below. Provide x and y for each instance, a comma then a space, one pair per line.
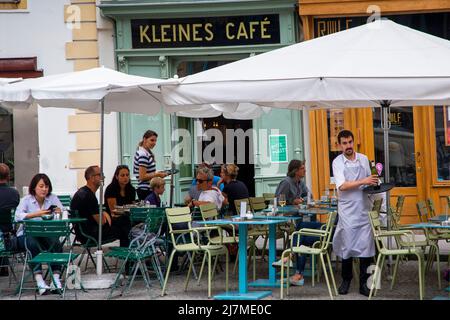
200, 181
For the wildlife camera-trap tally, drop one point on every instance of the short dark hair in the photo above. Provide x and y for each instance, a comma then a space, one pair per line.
345, 134
89, 172
4, 172
293, 166
36, 180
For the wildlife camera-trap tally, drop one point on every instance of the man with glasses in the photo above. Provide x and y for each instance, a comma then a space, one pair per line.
85, 202
209, 194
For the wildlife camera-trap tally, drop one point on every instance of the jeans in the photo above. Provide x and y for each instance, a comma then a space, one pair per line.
34, 246
306, 241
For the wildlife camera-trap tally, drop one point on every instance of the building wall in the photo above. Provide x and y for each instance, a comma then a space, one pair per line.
162, 63
41, 137
64, 36
338, 15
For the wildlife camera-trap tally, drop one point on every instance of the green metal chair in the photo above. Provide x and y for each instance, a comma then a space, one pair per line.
320, 248
209, 212
141, 249
87, 242
183, 215
422, 211
47, 229
65, 200
431, 206
383, 251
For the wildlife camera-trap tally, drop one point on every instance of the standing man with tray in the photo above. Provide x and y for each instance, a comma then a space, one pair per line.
353, 237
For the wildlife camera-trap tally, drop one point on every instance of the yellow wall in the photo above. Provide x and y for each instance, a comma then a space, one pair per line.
83, 50
22, 5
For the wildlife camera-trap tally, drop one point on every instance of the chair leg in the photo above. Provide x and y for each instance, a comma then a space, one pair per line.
214, 267
227, 258
331, 273
394, 276
235, 264
23, 275
421, 277
209, 273
168, 272
436, 251
201, 270
263, 251
282, 280
189, 272
116, 280
383, 259
312, 269
326, 275
375, 276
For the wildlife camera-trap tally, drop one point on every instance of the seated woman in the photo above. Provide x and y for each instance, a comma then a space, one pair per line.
158, 186
120, 191
34, 206
233, 189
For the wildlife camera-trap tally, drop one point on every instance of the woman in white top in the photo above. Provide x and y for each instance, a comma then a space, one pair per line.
144, 164
38, 203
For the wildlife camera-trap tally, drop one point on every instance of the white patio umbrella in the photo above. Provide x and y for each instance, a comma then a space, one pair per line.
95, 90
380, 64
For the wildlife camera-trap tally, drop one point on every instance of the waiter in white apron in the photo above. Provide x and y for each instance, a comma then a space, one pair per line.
353, 236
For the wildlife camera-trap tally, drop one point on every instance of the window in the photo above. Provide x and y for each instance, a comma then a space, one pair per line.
442, 125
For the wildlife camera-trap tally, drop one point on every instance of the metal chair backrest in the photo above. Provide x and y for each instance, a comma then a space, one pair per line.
377, 205
155, 219
65, 199
47, 229
209, 211
268, 197
139, 214
237, 204
178, 215
329, 229
257, 204
431, 207
375, 223
422, 211
448, 201
399, 206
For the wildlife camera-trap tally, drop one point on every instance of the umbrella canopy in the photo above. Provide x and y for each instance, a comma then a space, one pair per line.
8, 80
357, 67
84, 90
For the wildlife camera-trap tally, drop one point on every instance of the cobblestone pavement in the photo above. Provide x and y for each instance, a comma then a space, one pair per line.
406, 287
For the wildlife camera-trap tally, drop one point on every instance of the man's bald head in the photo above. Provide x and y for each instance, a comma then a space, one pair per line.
4, 172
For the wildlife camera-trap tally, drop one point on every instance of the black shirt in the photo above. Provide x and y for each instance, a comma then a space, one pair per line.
112, 192
235, 190
9, 199
86, 203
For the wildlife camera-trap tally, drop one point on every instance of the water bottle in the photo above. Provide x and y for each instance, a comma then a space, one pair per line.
65, 215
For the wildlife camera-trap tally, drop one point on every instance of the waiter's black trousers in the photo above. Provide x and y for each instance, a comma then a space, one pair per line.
347, 269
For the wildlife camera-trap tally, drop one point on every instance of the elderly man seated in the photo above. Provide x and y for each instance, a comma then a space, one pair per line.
209, 193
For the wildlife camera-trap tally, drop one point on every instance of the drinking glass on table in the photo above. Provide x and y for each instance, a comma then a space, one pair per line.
282, 200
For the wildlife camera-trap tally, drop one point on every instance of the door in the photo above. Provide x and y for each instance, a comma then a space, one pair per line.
406, 160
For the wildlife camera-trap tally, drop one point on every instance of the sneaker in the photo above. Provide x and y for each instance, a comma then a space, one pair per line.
278, 263
42, 288
295, 281
56, 288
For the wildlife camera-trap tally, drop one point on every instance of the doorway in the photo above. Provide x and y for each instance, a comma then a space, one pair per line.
246, 167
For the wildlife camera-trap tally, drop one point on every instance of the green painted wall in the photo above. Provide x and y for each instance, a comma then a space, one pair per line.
162, 63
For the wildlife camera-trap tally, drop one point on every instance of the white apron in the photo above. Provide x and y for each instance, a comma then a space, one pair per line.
353, 236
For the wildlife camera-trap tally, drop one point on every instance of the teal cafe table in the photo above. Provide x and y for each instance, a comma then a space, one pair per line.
243, 293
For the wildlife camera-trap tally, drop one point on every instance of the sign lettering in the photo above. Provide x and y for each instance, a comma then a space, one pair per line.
205, 32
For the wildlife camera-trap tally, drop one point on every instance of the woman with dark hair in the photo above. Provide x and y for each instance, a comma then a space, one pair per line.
120, 191
38, 203
144, 164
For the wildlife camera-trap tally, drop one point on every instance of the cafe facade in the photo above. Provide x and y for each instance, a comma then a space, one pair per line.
165, 39
419, 138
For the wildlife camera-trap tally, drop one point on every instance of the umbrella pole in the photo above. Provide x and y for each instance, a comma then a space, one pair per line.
173, 127
386, 126
99, 253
